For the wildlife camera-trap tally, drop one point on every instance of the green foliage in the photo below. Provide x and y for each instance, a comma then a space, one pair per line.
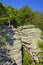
24, 16
39, 64
28, 61
40, 44
38, 22
7, 13
0, 30
26, 58
42, 34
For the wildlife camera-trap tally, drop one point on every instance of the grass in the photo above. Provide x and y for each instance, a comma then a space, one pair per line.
42, 34
26, 58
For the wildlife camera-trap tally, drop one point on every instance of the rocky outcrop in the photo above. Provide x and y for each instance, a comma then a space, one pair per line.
29, 38
26, 36
10, 54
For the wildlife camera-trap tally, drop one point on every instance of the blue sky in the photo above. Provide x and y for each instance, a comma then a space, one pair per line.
35, 5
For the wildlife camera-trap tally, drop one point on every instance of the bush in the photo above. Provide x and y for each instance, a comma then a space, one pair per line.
26, 58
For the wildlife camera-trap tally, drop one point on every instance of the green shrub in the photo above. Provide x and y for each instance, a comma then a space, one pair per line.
26, 58
42, 34
40, 44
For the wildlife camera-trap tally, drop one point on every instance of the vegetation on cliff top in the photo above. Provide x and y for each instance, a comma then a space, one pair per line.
23, 16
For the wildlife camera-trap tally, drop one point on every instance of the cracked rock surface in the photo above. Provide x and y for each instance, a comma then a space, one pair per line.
26, 36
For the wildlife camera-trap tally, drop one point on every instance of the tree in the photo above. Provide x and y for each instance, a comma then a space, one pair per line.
38, 22
24, 16
7, 13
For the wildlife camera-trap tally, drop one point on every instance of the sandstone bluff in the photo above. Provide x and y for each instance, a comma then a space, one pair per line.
26, 36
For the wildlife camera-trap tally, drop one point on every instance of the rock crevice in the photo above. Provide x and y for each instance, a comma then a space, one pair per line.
26, 36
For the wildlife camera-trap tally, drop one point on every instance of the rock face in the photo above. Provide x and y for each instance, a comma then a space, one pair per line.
10, 54
29, 38
26, 36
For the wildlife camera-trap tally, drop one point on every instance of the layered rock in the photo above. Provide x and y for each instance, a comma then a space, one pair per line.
26, 36
10, 54
29, 38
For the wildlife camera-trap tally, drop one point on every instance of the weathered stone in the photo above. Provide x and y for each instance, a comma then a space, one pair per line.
28, 36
